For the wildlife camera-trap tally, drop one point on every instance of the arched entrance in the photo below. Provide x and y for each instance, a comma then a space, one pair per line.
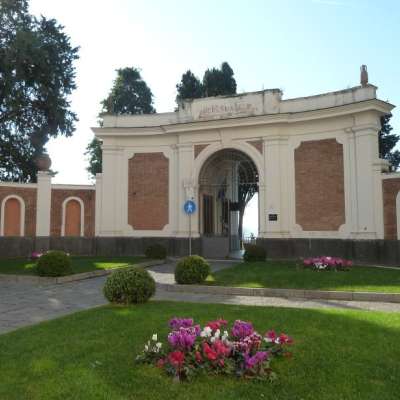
228, 180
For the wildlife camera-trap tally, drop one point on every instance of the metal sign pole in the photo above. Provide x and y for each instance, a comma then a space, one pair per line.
190, 234
189, 208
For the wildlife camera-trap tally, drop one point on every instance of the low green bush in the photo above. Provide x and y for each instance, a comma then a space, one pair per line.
129, 285
54, 263
156, 251
254, 252
192, 269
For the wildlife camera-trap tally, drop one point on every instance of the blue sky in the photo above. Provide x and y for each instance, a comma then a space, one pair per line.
304, 47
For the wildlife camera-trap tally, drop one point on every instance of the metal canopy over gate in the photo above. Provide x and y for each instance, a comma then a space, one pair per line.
227, 181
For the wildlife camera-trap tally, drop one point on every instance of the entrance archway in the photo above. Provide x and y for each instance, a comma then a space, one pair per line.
228, 180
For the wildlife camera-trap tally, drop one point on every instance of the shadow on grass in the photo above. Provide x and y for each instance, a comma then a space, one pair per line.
337, 355
23, 266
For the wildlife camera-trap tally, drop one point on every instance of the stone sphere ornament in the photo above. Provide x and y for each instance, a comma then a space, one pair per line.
43, 162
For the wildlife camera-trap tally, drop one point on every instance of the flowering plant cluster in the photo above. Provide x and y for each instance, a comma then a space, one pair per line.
327, 263
35, 255
215, 349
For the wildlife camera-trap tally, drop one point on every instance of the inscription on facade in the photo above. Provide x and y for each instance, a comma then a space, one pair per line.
227, 110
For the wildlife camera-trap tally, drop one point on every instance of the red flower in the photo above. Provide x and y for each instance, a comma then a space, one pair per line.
221, 349
198, 357
285, 339
209, 352
176, 358
221, 362
271, 335
214, 325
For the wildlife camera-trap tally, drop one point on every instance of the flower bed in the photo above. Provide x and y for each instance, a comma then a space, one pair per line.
190, 350
328, 263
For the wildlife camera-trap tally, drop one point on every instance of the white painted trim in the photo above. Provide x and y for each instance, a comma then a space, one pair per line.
22, 216
19, 185
73, 187
390, 175
398, 215
64, 206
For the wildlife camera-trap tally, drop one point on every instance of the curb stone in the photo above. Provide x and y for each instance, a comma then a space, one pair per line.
285, 293
44, 280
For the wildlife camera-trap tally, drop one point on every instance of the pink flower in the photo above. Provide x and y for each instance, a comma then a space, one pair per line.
241, 329
307, 262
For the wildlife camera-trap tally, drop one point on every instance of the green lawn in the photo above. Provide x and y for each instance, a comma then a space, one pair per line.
287, 275
23, 266
338, 354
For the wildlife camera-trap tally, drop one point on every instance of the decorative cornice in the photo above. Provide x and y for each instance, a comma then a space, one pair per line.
258, 120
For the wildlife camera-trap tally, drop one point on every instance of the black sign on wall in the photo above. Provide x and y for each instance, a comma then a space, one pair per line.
272, 217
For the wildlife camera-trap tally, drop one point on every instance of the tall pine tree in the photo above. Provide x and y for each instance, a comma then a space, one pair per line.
129, 95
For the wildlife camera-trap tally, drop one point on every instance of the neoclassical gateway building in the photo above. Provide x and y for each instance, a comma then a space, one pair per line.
313, 161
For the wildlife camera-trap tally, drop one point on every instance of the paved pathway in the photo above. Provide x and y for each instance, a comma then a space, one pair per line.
24, 304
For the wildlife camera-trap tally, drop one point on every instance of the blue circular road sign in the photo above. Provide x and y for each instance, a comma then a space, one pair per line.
189, 207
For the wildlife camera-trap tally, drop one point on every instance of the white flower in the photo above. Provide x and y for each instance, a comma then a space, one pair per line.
212, 340
208, 331
202, 334
146, 347
154, 337
158, 345
217, 333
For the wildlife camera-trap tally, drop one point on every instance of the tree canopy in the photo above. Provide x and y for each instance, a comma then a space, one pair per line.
189, 87
129, 95
387, 143
216, 82
37, 75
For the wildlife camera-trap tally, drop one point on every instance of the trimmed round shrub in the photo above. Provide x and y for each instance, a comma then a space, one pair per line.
254, 252
156, 251
192, 269
129, 285
54, 263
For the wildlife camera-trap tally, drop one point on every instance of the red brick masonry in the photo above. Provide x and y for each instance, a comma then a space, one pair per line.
258, 144
198, 148
390, 188
57, 198
319, 179
148, 195
29, 197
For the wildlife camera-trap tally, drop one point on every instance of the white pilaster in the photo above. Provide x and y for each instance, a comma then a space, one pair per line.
43, 203
99, 196
185, 158
367, 207
276, 163
111, 214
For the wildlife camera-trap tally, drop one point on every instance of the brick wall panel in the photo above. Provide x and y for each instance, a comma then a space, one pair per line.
148, 191
390, 187
319, 180
29, 197
57, 198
